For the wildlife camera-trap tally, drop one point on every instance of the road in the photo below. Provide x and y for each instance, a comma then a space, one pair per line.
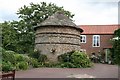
97, 71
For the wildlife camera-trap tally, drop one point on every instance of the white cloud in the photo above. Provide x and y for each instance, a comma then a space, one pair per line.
86, 11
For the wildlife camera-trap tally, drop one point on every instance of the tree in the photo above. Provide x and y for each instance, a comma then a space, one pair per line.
36, 13
8, 35
116, 46
19, 35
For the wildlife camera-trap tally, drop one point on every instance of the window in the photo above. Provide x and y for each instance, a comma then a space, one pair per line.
83, 38
96, 41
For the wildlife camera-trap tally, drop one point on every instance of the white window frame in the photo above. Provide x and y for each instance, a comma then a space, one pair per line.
96, 39
83, 40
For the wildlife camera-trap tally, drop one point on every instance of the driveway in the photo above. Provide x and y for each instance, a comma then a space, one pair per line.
97, 71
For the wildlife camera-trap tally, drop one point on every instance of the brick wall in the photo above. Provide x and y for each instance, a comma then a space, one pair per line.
104, 43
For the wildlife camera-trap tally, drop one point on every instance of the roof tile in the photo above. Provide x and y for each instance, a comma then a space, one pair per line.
98, 29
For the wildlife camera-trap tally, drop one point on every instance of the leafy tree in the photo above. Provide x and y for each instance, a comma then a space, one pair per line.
15, 37
25, 38
19, 35
116, 46
8, 36
36, 13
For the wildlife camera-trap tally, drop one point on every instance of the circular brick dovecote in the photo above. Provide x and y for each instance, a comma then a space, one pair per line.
57, 35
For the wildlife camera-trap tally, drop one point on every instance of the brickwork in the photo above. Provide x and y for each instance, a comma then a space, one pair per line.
104, 43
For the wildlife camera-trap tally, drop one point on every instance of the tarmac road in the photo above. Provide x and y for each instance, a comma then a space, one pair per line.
97, 71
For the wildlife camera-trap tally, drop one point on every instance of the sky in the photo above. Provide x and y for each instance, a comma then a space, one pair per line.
87, 12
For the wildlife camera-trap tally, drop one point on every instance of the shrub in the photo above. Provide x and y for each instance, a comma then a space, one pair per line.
51, 64
74, 59
22, 57
1, 66
65, 57
80, 59
116, 46
1, 50
67, 65
22, 65
34, 62
35, 54
42, 58
18, 61
9, 56
26, 58
7, 66
19, 57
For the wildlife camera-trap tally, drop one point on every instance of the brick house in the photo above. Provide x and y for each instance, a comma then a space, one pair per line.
96, 38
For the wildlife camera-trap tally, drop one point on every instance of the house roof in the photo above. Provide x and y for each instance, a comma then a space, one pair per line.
59, 19
98, 29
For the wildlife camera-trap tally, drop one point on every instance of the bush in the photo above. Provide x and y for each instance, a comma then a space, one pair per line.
116, 46
51, 64
37, 55
80, 59
67, 65
65, 57
22, 57
75, 59
0, 66
26, 57
1, 50
7, 66
34, 62
19, 57
22, 65
9, 56
42, 58
18, 61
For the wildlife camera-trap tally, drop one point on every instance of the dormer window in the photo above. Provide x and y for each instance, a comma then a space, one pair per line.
83, 38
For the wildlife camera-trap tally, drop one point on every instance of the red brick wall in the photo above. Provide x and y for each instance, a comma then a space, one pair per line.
104, 43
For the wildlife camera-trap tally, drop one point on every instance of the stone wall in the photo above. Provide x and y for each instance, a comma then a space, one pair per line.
54, 41
58, 29
59, 49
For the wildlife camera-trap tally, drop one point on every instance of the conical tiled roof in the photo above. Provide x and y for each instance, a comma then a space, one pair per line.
58, 19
